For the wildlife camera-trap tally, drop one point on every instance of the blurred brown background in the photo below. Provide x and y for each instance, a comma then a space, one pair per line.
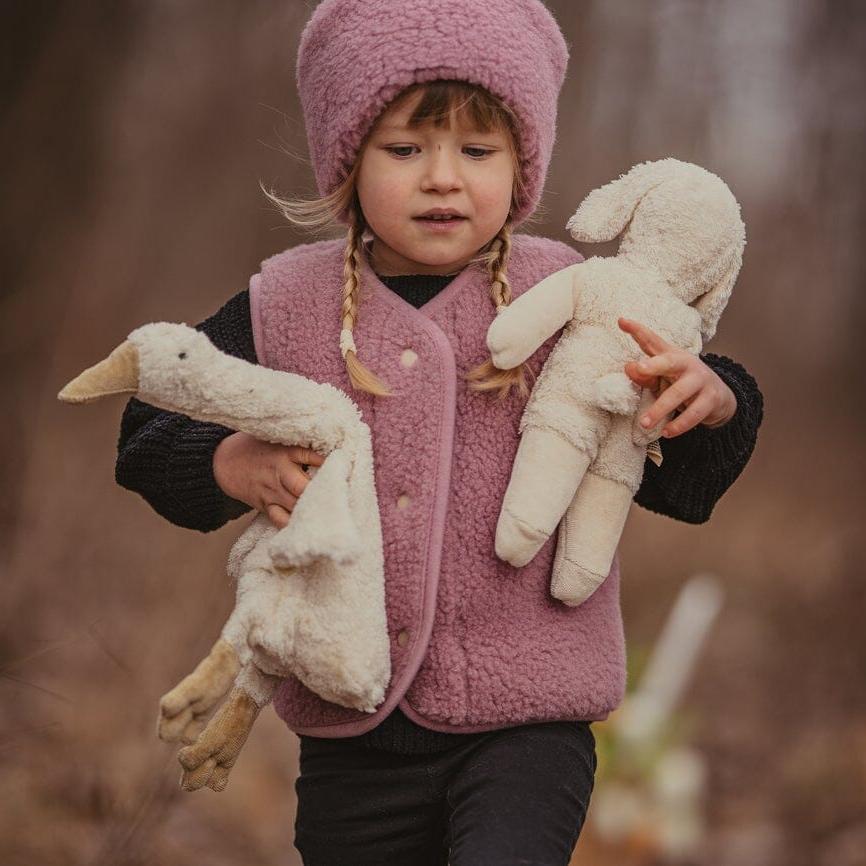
134, 135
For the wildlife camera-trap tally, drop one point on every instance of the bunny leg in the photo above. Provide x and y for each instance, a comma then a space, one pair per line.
588, 538
182, 709
209, 760
594, 521
547, 470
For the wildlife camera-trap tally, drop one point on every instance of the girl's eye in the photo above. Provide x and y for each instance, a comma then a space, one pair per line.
479, 152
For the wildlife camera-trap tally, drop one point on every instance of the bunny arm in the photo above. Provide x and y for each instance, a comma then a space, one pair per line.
522, 326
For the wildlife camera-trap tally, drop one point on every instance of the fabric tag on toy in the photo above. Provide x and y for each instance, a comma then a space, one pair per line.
654, 452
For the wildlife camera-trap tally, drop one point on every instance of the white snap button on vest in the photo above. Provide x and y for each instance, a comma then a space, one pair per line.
402, 501
408, 358
403, 637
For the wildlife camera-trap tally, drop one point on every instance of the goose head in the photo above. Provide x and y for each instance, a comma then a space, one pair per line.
177, 368
168, 364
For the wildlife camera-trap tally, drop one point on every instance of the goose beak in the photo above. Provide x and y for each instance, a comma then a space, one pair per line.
117, 374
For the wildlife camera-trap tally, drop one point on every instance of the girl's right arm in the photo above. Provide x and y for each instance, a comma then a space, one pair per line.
169, 458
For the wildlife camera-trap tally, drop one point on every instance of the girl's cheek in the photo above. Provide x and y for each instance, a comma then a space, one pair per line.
389, 191
378, 203
493, 204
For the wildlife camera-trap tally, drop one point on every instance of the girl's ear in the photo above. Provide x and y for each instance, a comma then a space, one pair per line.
606, 211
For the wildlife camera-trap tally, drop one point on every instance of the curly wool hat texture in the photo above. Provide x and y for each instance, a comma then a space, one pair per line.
356, 56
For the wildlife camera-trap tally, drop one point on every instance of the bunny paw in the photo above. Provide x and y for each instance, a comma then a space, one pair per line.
573, 584
616, 393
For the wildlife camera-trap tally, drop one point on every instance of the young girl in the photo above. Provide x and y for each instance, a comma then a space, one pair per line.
430, 126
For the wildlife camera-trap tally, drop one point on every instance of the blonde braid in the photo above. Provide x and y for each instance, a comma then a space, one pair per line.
360, 377
497, 264
487, 376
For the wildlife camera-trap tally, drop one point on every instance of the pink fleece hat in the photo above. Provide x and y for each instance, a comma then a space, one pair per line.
355, 56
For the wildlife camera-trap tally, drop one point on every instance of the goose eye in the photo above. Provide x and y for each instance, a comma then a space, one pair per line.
182, 355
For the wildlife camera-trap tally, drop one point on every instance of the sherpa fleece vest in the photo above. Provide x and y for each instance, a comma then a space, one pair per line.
476, 643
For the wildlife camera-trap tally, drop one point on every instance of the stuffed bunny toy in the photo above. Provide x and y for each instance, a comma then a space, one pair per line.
582, 452
310, 597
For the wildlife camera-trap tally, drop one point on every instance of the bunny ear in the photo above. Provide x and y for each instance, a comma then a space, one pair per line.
606, 211
712, 303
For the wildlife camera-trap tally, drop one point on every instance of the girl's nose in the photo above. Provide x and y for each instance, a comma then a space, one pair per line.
441, 171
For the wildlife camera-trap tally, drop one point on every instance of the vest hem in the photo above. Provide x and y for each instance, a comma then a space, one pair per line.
338, 730
446, 728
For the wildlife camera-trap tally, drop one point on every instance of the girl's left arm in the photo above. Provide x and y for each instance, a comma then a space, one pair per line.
710, 441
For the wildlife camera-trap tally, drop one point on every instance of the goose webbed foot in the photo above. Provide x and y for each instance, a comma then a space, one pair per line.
209, 760
182, 710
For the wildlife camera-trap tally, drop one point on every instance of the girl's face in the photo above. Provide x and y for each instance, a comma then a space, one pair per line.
404, 173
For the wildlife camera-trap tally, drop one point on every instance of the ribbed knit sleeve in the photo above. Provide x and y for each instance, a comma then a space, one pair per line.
702, 463
167, 457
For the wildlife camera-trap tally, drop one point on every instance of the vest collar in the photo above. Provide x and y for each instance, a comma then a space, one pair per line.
461, 282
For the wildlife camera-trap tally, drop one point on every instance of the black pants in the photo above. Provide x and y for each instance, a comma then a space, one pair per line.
514, 796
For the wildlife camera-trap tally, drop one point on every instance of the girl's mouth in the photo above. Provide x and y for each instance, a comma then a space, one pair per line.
440, 224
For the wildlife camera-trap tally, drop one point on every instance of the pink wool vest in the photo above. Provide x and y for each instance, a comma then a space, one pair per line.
476, 643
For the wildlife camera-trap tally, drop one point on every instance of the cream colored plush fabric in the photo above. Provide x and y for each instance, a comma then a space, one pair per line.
582, 451
310, 596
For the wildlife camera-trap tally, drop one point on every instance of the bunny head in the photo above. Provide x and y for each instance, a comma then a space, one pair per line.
677, 218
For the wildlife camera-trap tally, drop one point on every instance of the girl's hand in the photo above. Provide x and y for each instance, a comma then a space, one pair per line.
679, 380
265, 475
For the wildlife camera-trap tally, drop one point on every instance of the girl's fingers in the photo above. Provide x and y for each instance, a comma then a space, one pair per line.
290, 491
670, 398
691, 416
305, 456
291, 476
645, 337
670, 364
643, 379
277, 515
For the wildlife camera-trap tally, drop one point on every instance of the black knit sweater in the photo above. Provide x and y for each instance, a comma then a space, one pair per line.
167, 458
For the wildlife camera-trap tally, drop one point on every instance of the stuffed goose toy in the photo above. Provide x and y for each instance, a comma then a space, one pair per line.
310, 596
582, 452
